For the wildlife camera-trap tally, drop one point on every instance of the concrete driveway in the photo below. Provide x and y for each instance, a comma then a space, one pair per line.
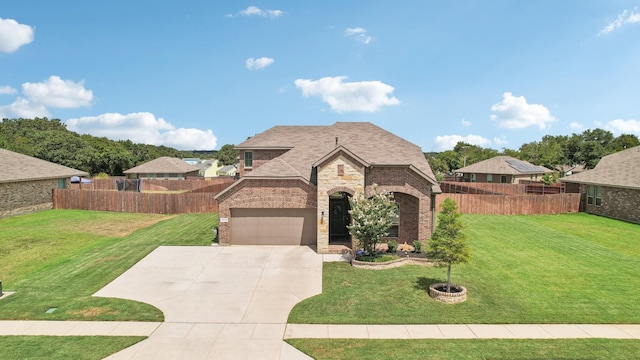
220, 302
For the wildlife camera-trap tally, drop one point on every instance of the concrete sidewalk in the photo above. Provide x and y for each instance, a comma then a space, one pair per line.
453, 331
235, 331
78, 328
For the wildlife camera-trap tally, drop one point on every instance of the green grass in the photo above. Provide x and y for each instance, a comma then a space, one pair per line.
573, 268
59, 258
63, 347
468, 349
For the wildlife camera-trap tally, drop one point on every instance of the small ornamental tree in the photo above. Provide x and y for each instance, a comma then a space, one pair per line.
371, 218
448, 244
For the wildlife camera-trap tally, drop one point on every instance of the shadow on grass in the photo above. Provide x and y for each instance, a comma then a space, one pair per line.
422, 283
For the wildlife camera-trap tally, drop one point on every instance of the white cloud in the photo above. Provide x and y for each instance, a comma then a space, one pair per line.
55, 92
256, 11
502, 140
466, 123
363, 96
626, 17
447, 142
7, 90
143, 127
14, 35
260, 63
23, 108
576, 126
514, 113
620, 126
358, 34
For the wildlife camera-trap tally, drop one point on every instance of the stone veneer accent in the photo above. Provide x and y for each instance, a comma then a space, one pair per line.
351, 181
26, 196
617, 203
261, 193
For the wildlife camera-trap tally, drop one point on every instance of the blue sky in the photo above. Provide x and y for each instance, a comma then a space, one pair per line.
199, 74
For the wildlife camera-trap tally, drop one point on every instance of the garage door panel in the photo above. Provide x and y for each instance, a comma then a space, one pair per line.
273, 227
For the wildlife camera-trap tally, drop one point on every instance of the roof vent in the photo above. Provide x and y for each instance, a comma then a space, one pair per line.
336, 141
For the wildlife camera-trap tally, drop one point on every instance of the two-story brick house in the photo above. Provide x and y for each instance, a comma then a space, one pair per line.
295, 182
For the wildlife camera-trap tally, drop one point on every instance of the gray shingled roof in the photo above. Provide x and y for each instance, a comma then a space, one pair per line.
503, 165
163, 165
308, 144
16, 167
621, 169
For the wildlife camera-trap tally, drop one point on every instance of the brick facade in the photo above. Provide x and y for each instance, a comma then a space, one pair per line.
264, 194
260, 157
340, 173
403, 180
617, 203
497, 178
26, 196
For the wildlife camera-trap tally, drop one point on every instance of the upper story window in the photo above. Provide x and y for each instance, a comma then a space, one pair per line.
248, 159
489, 178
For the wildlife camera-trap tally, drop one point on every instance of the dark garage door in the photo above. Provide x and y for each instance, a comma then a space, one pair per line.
273, 227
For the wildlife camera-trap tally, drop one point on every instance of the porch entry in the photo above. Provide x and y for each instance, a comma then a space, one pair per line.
339, 218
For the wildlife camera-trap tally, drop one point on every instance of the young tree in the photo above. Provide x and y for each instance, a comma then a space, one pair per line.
448, 244
371, 218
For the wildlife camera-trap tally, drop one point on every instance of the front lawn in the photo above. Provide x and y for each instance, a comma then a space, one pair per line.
64, 347
571, 268
59, 258
457, 349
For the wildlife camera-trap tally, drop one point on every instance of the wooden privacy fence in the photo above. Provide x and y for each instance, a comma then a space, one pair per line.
513, 204
134, 202
190, 184
482, 188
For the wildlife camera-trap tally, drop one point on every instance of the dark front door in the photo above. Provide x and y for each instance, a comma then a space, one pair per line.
338, 216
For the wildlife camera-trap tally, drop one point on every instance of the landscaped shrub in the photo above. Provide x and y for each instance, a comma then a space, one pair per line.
371, 218
392, 245
378, 258
417, 246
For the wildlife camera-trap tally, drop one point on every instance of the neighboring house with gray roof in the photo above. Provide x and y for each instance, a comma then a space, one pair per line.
26, 183
209, 168
296, 181
501, 169
165, 167
612, 188
227, 170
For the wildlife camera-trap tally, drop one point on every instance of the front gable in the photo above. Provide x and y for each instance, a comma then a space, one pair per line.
340, 168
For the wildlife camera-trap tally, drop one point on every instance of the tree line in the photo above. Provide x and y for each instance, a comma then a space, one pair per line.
552, 151
49, 139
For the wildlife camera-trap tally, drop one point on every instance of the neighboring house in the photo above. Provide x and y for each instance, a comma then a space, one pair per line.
612, 188
209, 168
566, 170
26, 183
163, 168
229, 170
296, 181
501, 169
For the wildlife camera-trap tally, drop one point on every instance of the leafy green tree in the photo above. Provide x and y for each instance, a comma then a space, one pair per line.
624, 141
371, 218
549, 178
227, 155
448, 244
